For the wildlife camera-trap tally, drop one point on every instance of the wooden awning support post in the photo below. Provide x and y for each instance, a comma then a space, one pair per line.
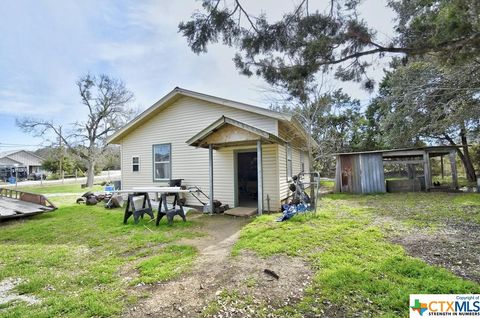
441, 167
260, 177
453, 165
426, 170
210, 175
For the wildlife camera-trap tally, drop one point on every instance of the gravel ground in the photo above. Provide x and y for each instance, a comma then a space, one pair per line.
236, 286
455, 246
7, 293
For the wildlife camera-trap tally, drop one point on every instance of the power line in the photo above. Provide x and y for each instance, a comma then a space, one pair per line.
17, 145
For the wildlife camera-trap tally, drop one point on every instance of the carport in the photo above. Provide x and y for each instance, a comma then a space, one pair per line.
363, 172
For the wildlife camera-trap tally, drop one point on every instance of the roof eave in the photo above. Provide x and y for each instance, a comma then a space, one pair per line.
177, 91
303, 131
195, 141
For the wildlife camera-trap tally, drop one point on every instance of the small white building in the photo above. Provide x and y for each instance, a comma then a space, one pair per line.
253, 150
22, 158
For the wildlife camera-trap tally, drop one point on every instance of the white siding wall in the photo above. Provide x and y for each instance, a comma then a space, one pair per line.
175, 125
282, 168
224, 174
282, 172
288, 133
270, 177
7, 161
26, 158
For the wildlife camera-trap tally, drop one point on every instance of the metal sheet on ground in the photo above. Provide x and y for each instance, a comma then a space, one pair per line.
9, 207
17, 203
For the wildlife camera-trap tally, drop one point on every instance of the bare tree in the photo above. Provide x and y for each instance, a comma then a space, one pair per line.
315, 102
107, 101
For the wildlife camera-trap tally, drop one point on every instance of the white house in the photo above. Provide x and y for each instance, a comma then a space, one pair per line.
22, 158
253, 150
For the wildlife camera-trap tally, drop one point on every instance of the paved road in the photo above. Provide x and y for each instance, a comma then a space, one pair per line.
104, 176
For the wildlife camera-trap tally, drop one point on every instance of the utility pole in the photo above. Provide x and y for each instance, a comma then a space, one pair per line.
16, 176
61, 152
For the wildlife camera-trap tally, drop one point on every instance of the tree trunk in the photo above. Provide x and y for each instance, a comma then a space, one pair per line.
313, 199
467, 161
464, 156
90, 172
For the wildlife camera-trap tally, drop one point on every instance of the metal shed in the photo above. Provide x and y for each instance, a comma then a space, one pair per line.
360, 173
363, 172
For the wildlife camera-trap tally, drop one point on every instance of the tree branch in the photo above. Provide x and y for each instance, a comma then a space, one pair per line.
247, 15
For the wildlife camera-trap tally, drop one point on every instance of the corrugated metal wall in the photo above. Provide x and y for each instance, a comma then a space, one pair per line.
371, 173
360, 173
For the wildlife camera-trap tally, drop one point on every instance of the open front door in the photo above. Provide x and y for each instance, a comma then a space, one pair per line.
247, 179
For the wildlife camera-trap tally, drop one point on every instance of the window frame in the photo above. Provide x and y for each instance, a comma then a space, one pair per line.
289, 161
136, 164
155, 162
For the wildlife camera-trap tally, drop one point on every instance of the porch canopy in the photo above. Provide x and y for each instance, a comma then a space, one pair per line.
228, 132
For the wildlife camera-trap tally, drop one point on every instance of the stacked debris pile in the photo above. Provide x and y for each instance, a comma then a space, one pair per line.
111, 200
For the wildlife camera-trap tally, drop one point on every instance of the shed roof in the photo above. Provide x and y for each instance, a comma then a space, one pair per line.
247, 134
446, 148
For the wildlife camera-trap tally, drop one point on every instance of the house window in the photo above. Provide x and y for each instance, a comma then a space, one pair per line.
289, 162
162, 155
302, 161
135, 164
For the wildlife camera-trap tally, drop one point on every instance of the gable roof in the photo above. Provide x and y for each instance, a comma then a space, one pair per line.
199, 139
9, 161
178, 92
7, 154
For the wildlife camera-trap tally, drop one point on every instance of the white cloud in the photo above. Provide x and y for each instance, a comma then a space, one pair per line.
47, 45
114, 51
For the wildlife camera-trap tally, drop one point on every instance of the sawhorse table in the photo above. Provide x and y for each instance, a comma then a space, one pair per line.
162, 206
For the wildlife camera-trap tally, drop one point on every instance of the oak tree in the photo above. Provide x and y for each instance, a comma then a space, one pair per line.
306, 41
107, 103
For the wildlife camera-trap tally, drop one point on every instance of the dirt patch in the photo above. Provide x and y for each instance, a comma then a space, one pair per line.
8, 295
216, 276
453, 246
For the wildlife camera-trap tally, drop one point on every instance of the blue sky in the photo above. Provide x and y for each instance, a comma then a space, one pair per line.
45, 46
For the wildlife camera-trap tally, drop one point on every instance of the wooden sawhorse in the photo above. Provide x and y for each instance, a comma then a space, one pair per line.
172, 212
137, 213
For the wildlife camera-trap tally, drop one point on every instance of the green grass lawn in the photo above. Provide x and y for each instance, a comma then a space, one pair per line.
447, 181
73, 258
356, 268
59, 188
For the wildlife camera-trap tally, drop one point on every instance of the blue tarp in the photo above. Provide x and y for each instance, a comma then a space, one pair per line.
289, 210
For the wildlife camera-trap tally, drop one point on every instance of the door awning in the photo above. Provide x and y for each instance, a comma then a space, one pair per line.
227, 132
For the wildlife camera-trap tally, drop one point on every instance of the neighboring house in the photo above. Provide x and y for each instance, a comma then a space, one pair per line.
176, 137
22, 158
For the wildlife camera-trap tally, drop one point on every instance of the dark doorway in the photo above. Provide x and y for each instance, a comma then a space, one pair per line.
247, 181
